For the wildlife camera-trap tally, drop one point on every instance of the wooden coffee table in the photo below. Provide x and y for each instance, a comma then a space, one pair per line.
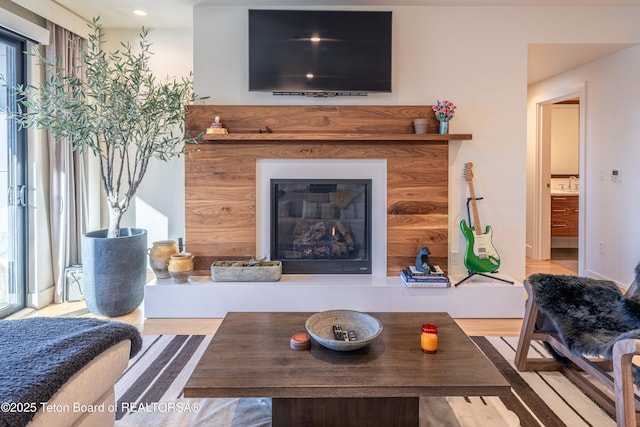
250, 357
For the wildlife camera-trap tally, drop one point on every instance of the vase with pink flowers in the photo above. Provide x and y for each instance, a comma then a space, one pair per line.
444, 112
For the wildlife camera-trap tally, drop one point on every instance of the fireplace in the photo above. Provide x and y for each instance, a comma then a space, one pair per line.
325, 171
321, 226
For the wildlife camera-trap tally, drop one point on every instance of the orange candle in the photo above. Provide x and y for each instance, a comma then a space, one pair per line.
429, 338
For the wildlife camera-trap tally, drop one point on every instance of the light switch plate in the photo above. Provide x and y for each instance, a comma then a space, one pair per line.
616, 175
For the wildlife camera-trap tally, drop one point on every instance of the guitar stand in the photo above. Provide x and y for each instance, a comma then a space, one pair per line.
469, 199
473, 273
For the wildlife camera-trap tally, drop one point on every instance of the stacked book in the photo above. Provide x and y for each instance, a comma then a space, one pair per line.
412, 278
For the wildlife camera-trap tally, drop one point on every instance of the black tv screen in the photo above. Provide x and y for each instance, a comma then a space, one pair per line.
319, 51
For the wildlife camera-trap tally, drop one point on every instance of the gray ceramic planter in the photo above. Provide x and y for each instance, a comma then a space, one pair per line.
114, 271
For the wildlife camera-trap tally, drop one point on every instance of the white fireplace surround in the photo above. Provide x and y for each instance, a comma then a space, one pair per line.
373, 169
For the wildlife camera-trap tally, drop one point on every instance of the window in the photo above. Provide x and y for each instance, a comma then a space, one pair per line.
13, 156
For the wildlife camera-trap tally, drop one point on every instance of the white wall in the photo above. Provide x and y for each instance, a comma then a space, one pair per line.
476, 57
565, 139
162, 188
612, 108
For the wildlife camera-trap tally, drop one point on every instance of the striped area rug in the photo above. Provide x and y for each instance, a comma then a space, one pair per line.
541, 398
150, 393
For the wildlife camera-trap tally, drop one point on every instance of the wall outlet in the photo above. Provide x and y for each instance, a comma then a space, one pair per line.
455, 258
601, 247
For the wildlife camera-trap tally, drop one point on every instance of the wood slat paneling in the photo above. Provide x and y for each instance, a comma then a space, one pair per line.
220, 178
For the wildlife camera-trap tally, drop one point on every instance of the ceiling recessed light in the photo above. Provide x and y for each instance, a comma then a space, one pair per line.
140, 12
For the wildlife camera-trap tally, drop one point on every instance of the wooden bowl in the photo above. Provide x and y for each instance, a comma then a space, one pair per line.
366, 327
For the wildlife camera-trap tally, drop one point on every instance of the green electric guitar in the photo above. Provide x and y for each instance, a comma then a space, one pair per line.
480, 256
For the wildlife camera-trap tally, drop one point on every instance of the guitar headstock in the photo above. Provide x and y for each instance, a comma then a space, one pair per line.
468, 174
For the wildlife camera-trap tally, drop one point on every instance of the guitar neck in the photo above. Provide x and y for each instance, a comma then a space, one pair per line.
474, 210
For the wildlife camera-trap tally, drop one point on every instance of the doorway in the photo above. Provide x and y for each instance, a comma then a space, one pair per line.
559, 189
564, 180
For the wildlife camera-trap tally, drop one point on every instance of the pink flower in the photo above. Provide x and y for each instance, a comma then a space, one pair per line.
444, 110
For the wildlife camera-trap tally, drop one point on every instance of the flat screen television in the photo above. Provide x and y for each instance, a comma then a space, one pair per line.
310, 51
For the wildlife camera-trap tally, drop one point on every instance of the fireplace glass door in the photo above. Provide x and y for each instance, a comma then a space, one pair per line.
321, 226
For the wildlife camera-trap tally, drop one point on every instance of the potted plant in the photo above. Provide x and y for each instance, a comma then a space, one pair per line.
112, 106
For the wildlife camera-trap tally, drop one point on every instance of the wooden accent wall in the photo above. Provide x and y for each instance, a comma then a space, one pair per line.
313, 119
220, 195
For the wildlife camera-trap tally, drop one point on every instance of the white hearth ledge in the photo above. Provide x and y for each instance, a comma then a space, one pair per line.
203, 298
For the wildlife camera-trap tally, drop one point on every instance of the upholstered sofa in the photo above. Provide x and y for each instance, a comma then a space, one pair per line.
76, 362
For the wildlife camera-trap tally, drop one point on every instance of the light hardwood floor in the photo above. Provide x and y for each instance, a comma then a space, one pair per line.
474, 327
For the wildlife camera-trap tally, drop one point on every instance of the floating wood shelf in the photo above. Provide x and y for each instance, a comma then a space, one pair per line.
350, 137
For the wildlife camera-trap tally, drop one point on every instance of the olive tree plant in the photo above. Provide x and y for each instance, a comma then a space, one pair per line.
113, 106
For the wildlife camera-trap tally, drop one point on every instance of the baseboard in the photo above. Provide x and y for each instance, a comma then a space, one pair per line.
42, 298
592, 274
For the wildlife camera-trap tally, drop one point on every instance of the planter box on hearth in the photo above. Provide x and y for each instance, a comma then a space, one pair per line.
244, 271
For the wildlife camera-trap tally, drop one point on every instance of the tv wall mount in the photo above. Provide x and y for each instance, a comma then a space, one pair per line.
321, 94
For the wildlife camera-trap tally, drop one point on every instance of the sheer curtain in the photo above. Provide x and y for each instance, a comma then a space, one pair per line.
67, 176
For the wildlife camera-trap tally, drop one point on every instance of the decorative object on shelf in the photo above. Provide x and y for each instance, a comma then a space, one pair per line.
217, 128
423, 263
420, 280
181, 267
412, 278
423, 274
366, 327
246, 271
444, 111
444, 128
420, 126
159, 254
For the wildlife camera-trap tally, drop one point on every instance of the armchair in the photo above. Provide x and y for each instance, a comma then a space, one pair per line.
587, 325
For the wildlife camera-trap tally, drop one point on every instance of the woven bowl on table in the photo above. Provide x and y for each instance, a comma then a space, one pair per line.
366, 327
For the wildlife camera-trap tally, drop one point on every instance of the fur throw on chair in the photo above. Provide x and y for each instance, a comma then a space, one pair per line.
589, 315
